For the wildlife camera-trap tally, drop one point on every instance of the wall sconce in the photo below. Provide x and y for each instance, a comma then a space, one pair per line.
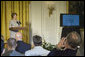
51, 6
51, 9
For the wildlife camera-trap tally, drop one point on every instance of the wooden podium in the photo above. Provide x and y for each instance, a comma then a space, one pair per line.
17, 28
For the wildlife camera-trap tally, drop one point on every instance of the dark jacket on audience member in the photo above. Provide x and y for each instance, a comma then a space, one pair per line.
2, 45
67, 52
12, 53
22, 47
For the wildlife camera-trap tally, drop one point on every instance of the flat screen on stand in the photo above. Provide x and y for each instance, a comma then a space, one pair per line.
69, 20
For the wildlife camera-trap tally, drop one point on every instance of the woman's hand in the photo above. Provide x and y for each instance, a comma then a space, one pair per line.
61, 43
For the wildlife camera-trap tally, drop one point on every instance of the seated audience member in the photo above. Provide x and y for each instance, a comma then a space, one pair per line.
67, 46
11, 45
22, 47
37, 50
2, 44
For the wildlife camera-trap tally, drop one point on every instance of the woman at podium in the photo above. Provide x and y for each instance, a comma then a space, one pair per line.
14, 23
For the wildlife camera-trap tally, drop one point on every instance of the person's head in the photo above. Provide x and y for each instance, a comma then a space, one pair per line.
73, 39
14, 15
18, 36
11, 42
37, 40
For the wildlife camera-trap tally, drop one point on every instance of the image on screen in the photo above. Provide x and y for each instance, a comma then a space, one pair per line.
70, 20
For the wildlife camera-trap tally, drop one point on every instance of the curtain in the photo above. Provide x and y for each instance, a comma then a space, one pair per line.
22, 10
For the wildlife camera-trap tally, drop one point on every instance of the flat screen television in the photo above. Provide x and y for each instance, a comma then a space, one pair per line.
70, 20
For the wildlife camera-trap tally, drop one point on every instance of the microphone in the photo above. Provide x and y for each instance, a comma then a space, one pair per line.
18, 22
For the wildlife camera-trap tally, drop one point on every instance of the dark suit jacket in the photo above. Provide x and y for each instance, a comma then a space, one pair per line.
22, 47
67, 52
2, 45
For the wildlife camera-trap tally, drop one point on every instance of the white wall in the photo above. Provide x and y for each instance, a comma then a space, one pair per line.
43, 25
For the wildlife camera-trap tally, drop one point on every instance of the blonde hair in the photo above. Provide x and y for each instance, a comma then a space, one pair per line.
74, 39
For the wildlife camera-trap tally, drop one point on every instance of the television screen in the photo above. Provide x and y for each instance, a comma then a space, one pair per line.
70, 20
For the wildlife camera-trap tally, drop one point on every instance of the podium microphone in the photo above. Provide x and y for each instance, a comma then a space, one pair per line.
18, 22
